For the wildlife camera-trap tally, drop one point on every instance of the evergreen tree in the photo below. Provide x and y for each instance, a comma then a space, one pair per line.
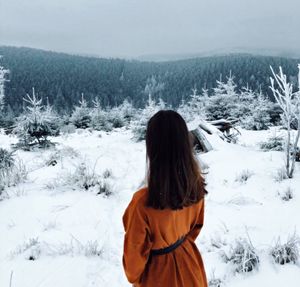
36, 123
195, 107
197, 104
100, 117
153, 87
223, 103
150, 109
115, 117
81, 117
256, 111
184, 111
226, 89
127, 110
244, 103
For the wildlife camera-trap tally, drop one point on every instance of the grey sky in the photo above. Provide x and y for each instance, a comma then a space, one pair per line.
136, 27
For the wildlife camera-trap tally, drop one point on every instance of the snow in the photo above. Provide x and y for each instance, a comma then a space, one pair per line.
77, 235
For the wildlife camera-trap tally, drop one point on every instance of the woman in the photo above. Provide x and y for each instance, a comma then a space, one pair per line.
163, 219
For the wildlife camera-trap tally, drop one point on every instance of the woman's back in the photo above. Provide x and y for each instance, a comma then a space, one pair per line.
154, 229
163, 220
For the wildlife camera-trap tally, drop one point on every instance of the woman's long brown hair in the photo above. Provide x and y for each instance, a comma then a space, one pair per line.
174, 176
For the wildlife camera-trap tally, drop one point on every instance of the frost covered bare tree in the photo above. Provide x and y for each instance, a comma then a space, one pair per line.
289, 102
3, 73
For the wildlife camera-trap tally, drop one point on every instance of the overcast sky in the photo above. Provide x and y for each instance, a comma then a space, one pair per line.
131, 28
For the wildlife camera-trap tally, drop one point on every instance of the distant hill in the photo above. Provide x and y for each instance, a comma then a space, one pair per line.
62, 78
222, 52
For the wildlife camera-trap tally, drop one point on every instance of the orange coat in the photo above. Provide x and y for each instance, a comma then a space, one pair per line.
148, 228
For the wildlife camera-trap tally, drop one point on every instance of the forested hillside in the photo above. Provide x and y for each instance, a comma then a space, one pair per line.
62, 78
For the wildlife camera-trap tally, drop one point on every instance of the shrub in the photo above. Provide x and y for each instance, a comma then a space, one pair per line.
116, 118
243, 176
59, 154
7, 161
49, 225
287, 194
75, 247
2, 192
83, 177
139, 131
12, 172
80, 119
287, 252
107, 173
19, 173
86, 178
32, 249
91, 248
68, 129
214, 281
100, 121
274, 143
105, 188
280, 174
218, 241
243, 256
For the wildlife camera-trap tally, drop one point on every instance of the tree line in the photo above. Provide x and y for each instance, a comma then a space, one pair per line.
61, 79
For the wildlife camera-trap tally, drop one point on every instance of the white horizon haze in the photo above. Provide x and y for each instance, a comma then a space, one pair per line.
133, 28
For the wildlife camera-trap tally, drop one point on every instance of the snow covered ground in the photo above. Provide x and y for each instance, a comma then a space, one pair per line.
54, 233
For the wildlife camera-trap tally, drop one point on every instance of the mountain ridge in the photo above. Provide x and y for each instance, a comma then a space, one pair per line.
62, 78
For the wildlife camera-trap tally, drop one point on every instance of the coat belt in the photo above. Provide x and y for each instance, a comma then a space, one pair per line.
169, 248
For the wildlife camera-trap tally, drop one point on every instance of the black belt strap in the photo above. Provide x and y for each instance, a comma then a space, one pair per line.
168, 248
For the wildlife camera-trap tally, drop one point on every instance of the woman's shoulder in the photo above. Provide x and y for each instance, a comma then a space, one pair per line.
137, 202
140, 195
